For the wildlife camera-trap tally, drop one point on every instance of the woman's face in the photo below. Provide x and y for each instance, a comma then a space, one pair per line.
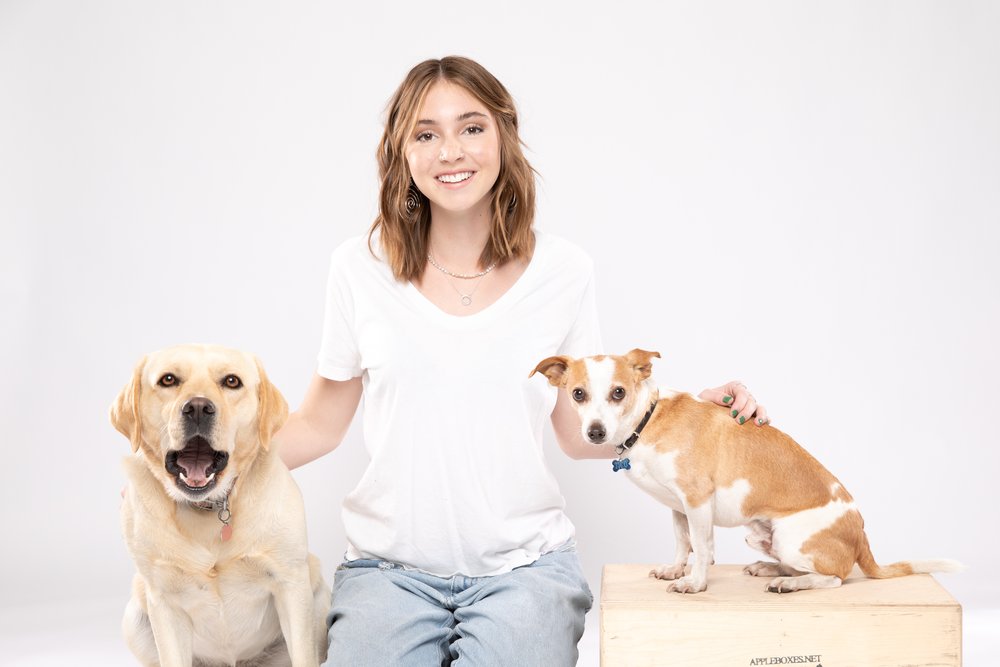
454, 150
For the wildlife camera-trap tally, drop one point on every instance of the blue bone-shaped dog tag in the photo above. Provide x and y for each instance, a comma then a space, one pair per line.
624, 464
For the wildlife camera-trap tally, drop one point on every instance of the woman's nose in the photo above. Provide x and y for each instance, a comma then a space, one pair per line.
451, 150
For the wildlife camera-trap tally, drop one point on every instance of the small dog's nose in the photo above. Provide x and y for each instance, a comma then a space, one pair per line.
596, 432
198, 409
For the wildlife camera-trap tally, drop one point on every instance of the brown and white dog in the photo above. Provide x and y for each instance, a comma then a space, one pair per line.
710, 471
213, 518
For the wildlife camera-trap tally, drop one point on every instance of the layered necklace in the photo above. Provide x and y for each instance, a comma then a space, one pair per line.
466, 297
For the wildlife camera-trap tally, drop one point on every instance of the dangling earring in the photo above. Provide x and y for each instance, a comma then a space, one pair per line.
513, 204
412, 198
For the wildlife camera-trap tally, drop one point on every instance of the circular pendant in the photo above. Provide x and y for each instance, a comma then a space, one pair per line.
466, 300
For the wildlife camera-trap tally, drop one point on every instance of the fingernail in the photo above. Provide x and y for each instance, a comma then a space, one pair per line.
742, 420
727, 399
733, 413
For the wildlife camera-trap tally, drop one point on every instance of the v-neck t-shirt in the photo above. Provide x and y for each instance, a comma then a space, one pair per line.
457, 481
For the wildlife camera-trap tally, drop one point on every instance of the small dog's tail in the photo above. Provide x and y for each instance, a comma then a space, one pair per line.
904, 567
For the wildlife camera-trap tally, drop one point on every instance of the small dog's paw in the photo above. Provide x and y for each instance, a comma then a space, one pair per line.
783, 585
686, 585
762, 569
668, 572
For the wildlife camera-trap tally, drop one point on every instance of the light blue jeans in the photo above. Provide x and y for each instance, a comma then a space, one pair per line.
385, 616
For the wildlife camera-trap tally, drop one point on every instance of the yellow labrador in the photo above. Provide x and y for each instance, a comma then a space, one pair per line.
213, 519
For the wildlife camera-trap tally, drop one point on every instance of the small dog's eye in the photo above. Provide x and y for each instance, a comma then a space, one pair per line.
618, 393
232, 382
579, 394
168, 380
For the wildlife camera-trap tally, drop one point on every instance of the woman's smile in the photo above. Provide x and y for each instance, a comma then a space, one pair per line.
455, 178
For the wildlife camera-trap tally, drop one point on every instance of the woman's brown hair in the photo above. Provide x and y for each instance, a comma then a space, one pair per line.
404, 216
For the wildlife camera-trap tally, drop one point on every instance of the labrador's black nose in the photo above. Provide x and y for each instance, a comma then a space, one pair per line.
596, 432
199, 410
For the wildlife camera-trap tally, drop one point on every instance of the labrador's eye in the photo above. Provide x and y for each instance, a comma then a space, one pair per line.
579, 395
167, 380
618, 393
232, 382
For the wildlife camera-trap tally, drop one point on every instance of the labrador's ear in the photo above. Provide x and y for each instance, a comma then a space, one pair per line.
554, 368
272, 409
125, 414
642, 362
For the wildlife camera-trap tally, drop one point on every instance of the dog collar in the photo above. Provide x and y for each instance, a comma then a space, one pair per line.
208, 505
220, 506
622, 448
625, 464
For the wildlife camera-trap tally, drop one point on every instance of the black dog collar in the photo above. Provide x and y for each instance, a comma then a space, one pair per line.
625, 446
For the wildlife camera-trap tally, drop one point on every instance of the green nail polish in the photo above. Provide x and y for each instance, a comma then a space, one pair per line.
742, 420
727, 399
734, 413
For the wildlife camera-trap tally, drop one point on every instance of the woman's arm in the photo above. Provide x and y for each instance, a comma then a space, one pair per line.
320, 423
569, 434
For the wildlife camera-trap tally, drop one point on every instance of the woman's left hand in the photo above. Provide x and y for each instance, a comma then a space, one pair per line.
741, 404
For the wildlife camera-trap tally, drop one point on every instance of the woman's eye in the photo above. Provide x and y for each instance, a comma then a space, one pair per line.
474, 129
232, 382
579, 395
167, 380
424, 137
618, 394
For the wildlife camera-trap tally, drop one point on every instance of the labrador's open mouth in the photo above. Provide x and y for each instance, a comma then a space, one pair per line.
195, 466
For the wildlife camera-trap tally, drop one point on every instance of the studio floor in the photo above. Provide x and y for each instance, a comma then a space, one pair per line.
86, 634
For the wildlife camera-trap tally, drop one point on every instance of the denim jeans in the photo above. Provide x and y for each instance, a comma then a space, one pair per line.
386, 616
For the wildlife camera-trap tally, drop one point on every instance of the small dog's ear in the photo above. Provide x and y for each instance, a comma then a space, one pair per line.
124, 413
642, 362
272, 409
554, 368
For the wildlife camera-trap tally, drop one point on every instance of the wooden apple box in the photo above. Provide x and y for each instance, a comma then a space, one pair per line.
909, 621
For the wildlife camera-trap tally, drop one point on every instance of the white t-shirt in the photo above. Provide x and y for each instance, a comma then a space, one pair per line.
457, 482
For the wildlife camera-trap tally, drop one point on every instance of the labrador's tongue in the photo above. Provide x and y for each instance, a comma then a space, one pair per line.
195, 460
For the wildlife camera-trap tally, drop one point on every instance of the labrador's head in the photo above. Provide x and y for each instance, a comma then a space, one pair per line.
199, 414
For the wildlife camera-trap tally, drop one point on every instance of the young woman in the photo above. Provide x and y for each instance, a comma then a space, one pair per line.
458, 547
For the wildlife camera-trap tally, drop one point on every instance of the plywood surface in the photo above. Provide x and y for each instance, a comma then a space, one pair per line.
630, 584
910, 621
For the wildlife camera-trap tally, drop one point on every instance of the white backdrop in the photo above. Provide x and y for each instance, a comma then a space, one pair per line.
804, 196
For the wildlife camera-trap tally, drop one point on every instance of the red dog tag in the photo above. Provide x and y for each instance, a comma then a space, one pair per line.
226, 533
